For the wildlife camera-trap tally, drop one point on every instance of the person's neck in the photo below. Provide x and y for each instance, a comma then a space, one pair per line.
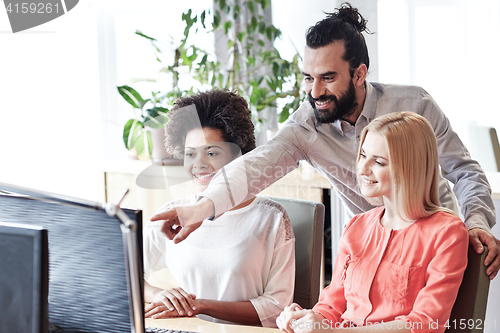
360, 101
391, 218
244, 204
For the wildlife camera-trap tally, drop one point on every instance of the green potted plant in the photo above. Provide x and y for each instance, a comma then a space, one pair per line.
137, 132
144, 132
259, 74
253, 67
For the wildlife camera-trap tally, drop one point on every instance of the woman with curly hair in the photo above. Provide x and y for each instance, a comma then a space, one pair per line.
241, 267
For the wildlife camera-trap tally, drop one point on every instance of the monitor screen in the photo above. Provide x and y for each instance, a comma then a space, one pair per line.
88, 276
23, 278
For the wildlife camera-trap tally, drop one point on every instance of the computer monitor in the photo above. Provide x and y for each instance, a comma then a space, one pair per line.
95, 265
23, 278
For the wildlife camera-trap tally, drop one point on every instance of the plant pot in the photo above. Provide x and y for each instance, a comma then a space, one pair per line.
159, 154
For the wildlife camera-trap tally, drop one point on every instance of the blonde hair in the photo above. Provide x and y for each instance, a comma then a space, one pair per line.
413, 162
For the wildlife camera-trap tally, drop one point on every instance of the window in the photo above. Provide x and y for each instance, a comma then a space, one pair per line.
447, 47
125, 57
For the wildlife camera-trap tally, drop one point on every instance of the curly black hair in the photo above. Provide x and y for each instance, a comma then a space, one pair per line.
345, 24
216, 109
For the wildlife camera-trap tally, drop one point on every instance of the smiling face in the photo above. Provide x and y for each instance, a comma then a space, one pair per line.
328, 83
206, 152
373, 167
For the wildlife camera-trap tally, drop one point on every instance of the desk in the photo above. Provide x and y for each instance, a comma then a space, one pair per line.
198, 325
195, 324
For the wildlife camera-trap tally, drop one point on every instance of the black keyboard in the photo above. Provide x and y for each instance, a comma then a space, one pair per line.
164, 330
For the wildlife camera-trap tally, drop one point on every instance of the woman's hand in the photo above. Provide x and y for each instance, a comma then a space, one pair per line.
174, 302
294, 319
158, 310
179, 222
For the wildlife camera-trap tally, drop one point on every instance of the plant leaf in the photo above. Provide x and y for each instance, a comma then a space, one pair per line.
144, 146
217, 19
262, 27
156, 117
251, 7
131, 131
131, 96
269, 33
227, 26
285, 113
254, 23
140, 146
138, 32
241, 35
202, 19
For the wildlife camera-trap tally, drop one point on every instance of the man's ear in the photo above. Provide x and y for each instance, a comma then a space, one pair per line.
359, 76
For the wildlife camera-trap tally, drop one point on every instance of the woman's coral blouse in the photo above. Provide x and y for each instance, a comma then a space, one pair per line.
412, 274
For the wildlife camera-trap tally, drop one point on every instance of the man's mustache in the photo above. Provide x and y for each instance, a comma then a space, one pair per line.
322, 98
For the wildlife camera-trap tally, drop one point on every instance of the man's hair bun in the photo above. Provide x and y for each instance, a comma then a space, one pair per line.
351, 15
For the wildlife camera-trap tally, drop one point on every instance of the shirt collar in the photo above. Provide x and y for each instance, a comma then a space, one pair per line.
370, 106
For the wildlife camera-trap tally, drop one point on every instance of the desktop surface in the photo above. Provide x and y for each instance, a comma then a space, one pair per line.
193, 324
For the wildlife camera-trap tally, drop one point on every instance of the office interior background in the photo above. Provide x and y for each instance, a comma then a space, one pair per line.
61, 115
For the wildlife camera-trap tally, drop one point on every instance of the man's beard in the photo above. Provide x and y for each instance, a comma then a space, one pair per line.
343, 106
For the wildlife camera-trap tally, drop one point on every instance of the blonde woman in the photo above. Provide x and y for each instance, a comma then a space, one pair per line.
399, 265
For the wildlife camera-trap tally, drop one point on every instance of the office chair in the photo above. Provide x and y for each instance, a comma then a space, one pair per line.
307, 219
485, 147
469, 310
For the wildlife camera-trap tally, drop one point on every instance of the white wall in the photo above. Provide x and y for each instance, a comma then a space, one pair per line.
49, 115
61, 115
450, 49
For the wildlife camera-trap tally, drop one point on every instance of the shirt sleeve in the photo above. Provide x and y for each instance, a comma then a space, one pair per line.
253, 172
433, 305
471, 186
278, 291
153, 252
332, 302
153, 244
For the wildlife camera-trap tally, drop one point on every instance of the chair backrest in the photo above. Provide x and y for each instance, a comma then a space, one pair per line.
307, 219
484, 146
469, 310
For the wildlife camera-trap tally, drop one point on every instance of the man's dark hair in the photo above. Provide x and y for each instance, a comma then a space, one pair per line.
216, 109
345, 24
